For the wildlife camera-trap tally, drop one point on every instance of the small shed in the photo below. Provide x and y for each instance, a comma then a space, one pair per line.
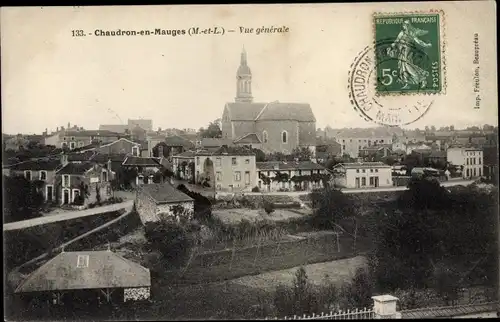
163, 202
88, 276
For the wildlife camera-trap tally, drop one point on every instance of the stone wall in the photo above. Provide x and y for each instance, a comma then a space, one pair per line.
145, 207
175, 211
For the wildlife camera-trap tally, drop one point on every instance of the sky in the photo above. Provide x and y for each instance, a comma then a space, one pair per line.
50, 78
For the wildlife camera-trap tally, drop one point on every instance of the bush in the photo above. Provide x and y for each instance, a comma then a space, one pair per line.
255, 189
171, 240
268, 207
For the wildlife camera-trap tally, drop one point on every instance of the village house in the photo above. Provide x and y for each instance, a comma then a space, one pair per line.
363, 175
375, 152
226, 168
435, 157
418, 147
87, 277
290, 175
161, 202
80, 183
145, 168
73, 139
169, 146
42, 170
353, 140
327, 148
470, 158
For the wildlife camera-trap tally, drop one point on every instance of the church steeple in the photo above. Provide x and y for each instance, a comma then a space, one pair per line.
244, 80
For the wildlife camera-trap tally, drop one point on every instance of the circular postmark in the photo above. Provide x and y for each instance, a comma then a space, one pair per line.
369, 79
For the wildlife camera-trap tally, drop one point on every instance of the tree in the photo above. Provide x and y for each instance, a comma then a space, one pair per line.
298, 300
213, 130
433, 128
331, 206
302, 154
268, 207
22, 199
172, 240
359, 291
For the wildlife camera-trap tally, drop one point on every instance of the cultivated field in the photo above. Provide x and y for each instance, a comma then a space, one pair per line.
234, 216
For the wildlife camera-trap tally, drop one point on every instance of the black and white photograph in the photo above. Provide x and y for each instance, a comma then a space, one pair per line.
262, 161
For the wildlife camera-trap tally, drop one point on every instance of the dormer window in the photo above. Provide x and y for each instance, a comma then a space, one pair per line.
43, 175
27, 175
82, 261
104, 175
135, 151
72, 138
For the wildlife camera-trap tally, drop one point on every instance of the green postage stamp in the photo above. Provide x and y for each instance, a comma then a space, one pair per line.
409, 53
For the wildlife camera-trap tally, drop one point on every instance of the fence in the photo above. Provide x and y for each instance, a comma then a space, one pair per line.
384, 307
341, 315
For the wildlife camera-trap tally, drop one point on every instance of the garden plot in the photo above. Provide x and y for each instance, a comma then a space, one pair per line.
234, 216
338, 271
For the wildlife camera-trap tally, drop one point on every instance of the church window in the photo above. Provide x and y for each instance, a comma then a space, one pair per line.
284, 137
264, 136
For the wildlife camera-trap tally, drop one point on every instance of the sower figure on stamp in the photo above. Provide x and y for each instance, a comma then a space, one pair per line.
409, 72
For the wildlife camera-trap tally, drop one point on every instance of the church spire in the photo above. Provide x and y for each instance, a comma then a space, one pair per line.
243, 80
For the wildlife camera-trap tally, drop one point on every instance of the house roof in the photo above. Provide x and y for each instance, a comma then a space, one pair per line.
248, 138
186, 154
102, 158
288, 165
91, 146
243, 111
364, 133
36, 165
83, 156
215, 142
176, 140
165, 193
141, 161
119, 128
437, 154
363, 165
75, 168
105, 269
102, 133
449, 311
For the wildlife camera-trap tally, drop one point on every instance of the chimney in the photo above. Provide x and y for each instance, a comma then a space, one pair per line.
160, 151
109, 164
57, 129
64, 159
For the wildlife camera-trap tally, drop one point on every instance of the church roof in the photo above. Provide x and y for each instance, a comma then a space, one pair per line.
301, 112
248, 138
243, 111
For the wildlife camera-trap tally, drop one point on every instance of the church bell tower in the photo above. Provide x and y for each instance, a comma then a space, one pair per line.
244, 80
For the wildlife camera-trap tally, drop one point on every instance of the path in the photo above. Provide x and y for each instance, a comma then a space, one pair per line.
345, 190
67, 215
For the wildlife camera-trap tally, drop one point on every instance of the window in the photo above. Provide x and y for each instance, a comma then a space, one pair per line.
364, 170
479, 171
247, 161
27, 175
83, 261
72, 145
474, 170
80, 143
135, 150
467, 161
76, 193
357, 170
219, 176
376, 170
284, 137
43, 175
264, 136
233, 161
237, 176
371, 181
343, 147
363, 181
104, 175
218, 162
247, 177
197, 160
65, 180
479, 161
72, 138
371, 170
64, 138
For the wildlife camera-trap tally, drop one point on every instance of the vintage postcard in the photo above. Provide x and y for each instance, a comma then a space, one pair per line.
264, 161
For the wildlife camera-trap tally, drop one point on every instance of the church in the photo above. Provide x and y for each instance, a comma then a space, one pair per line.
274, 126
